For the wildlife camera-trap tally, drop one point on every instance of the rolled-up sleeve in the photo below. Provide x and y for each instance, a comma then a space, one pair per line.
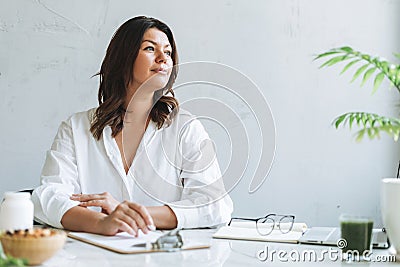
59, 179
204, 201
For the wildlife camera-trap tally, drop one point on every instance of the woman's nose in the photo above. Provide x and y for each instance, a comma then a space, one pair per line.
161, 57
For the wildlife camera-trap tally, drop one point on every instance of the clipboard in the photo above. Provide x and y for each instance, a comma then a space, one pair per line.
154, 241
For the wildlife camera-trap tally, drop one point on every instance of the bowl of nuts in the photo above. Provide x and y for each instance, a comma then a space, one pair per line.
35, 245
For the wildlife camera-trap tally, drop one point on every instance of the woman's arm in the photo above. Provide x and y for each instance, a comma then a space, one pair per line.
59, 179
127, 217
204, 201
81, 219
163, 217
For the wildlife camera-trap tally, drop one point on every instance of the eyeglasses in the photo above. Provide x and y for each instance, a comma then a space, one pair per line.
265, 225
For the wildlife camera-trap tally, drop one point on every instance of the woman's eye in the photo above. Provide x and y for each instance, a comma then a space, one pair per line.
149, 48
168, 53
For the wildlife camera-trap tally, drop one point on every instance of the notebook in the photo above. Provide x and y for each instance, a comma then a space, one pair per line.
321, 236
330, 236
248, 231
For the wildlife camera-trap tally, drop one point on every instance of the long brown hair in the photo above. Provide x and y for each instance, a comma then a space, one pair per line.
116, 73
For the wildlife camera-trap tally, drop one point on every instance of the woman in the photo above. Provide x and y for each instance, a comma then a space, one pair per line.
136, 161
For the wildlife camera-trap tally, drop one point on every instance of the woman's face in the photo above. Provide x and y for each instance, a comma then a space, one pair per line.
153, 61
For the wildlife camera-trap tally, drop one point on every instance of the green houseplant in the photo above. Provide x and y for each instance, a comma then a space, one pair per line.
366, 67
372, 124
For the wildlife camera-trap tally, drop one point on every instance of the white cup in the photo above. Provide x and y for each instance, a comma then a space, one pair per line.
390, 206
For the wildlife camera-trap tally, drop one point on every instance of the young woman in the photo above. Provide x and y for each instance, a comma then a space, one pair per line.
137, 160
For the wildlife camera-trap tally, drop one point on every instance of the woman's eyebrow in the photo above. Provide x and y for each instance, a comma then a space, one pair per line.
154, 43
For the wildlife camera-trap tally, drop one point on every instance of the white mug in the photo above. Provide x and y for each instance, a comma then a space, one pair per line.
390, 206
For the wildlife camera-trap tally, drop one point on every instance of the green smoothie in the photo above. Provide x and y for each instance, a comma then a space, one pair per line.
357, 233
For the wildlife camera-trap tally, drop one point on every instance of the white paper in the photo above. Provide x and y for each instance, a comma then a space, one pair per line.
122, 242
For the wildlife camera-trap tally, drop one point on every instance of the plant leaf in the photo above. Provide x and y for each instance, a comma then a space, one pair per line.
334, 60
364, 120
377, 82
385, 66
370, 124
367, 75
351, 121
331, 52
11, 261
349, 65
360, 135
359, 71
397, 82
347, 49
339, 120
358, 118
366, 57
370, 133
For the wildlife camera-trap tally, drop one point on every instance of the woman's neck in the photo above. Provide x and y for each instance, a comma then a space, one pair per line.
138, 106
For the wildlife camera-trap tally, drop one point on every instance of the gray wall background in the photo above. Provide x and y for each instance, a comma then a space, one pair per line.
50, 49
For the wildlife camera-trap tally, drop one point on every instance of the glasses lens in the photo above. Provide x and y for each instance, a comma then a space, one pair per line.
265, 225
286, 224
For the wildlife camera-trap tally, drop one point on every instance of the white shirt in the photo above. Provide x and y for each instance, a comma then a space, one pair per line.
174, 165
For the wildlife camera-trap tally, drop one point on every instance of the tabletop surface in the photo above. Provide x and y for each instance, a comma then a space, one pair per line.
223, 252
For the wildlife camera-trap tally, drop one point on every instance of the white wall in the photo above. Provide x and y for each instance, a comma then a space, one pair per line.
50, 49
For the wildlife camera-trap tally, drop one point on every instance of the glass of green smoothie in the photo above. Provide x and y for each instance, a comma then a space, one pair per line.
355, 237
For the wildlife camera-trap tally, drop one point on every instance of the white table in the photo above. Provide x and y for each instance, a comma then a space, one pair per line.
223, 252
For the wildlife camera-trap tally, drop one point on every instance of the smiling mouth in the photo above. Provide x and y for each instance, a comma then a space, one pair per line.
161, 71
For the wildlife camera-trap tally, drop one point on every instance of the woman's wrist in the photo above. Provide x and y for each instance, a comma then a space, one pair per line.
97, 225
89, 220
163, 217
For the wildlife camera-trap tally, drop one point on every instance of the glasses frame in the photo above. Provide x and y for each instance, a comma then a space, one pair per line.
270, 217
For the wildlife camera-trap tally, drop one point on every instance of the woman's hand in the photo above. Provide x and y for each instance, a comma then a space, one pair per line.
104, 200
127, 217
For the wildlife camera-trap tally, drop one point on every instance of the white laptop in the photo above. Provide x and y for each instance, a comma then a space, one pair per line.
330, 236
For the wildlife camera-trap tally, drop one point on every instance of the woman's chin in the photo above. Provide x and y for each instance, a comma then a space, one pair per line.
157, 81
